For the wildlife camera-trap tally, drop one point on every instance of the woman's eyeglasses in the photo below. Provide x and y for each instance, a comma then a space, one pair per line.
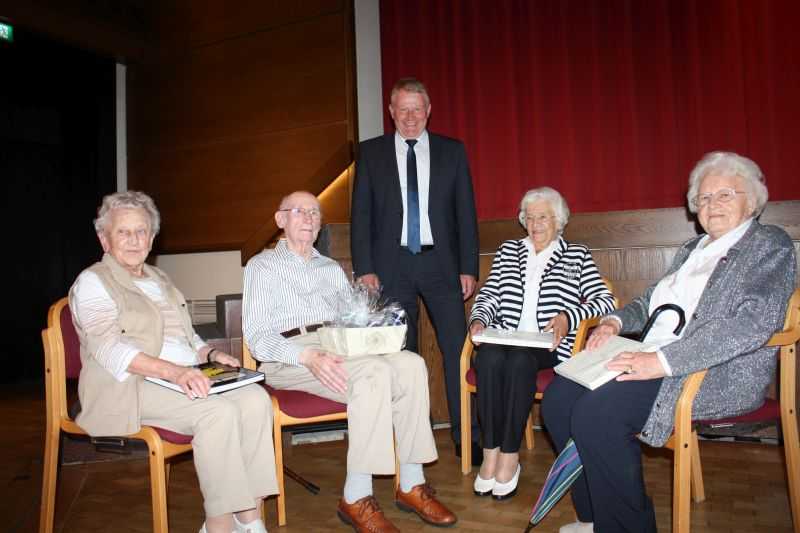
722, 196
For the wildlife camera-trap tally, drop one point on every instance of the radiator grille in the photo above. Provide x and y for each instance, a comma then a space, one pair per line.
202, 311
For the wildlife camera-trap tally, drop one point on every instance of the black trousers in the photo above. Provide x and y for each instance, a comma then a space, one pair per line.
421, 275
506, 385
604, 424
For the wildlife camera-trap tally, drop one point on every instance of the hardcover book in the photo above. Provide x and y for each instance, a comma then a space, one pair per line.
223, 377
588, 367
533, 339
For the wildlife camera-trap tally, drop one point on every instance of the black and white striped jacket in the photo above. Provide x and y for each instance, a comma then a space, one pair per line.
570, 283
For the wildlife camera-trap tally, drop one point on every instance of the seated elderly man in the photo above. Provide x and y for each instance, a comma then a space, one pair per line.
288, 292
132, 323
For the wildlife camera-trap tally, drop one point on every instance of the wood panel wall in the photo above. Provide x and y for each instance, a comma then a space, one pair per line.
245, 102
633, 249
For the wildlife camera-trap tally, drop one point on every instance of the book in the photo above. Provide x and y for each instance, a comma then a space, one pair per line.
223, 377
510, 337
588, 367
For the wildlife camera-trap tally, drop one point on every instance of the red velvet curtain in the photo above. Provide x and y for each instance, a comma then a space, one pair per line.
609, 101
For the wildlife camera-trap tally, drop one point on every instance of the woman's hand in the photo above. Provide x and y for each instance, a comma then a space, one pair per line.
476, 328
224, 359
558, 325
637, 366
192, 381
604, 331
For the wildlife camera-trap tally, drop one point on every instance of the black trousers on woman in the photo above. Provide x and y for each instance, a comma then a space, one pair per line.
604, 423
506, 385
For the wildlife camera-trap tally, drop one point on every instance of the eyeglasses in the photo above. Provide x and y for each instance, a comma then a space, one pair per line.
722, 196
313, 212
541, 219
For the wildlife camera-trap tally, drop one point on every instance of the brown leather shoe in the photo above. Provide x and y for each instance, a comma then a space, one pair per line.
365, 516
422, 500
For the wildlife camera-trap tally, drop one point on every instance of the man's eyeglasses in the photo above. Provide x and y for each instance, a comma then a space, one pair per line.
541, 219
313, 212
722, 196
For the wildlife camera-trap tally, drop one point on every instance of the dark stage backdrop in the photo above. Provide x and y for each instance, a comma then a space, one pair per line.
57, 160
611, 102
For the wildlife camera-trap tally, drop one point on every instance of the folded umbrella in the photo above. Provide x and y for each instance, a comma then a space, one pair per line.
567, 466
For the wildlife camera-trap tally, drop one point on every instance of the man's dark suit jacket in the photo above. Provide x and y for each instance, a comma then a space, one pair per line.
377, 209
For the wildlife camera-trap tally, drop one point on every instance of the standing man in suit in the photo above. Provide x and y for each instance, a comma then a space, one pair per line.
414, 230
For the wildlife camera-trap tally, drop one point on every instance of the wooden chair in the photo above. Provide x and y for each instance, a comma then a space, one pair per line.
292, 408
543, 379
62, 361
687, 473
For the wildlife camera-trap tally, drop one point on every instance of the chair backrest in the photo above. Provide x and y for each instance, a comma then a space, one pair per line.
585, 327
61, 358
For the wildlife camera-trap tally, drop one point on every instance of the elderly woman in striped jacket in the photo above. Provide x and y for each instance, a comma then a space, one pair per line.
539, 283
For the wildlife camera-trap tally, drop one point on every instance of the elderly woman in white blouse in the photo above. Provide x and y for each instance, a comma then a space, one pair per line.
539, 283
132, 322
733, 283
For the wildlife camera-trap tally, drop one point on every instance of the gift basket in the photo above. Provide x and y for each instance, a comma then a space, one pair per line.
366, 324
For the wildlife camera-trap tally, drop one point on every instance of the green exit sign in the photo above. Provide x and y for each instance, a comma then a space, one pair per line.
6, 32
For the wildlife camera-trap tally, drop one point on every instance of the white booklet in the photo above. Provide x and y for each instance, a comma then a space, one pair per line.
534, 339
223, 377
588, 367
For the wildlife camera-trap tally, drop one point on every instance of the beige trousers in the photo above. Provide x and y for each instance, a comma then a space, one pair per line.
232, 443
384, 393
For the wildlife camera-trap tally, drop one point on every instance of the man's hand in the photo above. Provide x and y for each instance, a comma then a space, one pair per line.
467, 285
192, 381
602, 333
475, 329
637, 366
326, 367
370, 281
558, 325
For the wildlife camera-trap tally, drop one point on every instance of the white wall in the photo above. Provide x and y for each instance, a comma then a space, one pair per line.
368, 69
204, 275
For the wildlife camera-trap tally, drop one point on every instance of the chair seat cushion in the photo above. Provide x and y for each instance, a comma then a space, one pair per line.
171, 436
771, 410
299, 404
543, 378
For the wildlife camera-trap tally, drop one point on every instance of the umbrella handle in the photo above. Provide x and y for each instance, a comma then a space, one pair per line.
657, 311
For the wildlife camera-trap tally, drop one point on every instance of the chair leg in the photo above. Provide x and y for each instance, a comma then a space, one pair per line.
529, 443
791, 444
681, 487
466, 431
158, 488
49, 479
698, 488
276, 435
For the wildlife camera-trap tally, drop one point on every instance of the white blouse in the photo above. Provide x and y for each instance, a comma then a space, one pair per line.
685, 286
533, 278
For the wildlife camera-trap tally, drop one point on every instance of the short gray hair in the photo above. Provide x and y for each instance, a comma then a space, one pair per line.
729, 164
410, 85
551, 196
130, 200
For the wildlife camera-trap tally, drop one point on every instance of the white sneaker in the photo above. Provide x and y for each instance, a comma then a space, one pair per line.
256, 526
578, 527
501, 491
483, 487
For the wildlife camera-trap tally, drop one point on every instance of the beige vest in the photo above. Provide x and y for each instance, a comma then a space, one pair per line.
108, 406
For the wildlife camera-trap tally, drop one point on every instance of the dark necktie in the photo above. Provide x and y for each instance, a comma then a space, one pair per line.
412, 199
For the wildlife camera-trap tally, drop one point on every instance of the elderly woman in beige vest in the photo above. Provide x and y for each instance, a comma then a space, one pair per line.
133, 323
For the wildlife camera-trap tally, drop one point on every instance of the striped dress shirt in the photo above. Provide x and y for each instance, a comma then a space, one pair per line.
283, 291
570, 283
